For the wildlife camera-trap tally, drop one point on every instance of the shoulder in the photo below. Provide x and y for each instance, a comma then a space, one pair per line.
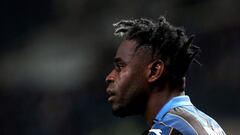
190, 120
176, 122
180, 119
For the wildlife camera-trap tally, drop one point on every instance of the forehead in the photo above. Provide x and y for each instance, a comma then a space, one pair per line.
126, 50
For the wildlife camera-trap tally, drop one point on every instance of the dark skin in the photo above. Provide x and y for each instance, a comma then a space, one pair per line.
131, 85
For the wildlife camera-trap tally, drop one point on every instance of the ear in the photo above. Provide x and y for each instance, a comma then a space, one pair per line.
155, 70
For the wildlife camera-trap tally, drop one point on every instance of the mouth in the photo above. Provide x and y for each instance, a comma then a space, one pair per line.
110, 96
110, 99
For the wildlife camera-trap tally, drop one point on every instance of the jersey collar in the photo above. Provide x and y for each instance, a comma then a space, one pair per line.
174, 102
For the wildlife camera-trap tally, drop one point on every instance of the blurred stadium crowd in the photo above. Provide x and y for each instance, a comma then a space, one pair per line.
55, 55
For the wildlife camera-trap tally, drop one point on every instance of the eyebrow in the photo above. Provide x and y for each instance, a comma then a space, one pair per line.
117, 59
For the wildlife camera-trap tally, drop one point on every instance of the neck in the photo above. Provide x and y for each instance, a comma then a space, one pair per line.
157, 99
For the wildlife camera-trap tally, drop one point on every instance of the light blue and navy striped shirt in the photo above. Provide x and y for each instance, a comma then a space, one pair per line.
179, 117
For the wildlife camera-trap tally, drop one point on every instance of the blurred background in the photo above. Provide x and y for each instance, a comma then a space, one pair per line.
55, 54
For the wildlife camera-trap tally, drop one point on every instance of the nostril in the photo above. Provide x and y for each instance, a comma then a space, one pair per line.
108, 81
110, 78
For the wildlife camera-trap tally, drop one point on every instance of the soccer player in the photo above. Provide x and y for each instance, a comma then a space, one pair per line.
148, 78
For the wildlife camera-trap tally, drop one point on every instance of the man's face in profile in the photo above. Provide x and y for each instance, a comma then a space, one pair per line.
126, 83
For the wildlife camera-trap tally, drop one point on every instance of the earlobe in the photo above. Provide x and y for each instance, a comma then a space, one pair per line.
155, 70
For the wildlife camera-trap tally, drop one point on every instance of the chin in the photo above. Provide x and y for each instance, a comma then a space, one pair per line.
118, 111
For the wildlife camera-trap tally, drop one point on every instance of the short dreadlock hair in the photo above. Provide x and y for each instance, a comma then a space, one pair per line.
168, 43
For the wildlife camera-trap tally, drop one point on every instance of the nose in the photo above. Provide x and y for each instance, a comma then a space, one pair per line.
110, 78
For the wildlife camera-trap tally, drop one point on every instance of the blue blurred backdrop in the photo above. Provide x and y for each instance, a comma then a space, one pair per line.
55, 54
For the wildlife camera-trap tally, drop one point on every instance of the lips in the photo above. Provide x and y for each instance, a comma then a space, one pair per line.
111, 95
110, 99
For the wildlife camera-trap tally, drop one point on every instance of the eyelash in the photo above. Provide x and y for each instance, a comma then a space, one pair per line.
118, 66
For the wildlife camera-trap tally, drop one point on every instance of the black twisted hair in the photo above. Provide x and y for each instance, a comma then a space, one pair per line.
168, 43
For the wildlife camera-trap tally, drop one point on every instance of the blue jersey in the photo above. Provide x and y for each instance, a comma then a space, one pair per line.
179, 117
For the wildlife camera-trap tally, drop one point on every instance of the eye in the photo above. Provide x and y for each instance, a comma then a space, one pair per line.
119, 66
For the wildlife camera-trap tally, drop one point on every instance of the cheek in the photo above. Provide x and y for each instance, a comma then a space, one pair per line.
123, 81
130, 83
